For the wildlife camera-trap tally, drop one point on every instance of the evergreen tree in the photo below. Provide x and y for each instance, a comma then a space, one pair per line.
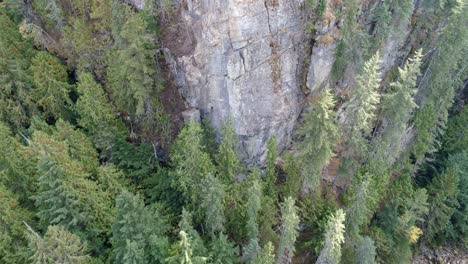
57, 246
253, 207
319, 133
358, 211
292, 185
192, 164
13, 248
267, 255
270, 171
365, 252
229, 164
196, 241
97, 115
51, 90
289, 231
398, 105
182, 252
138, 233
334, 237
15, 84
132, 71
213, 204
223, 251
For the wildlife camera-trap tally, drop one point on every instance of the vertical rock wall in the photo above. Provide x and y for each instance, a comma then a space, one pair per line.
241, 59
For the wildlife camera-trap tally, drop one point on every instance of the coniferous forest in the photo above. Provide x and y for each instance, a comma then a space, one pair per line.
98, 166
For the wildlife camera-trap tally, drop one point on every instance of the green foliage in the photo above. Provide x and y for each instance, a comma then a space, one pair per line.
192, 164
334, 237
270, 170
365, 252
292, 185
57, 246
229, 164
289, 231
12, 244
182, 252
398, 105
319, 133
456, 138
15, 84
252, 250
360, 112
267, 255
51, 88
138, 233
223, 251
213, 204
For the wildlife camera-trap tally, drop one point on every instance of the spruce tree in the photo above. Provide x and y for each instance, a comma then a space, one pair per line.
57, 246
213, 204
223, 251
398, 105
267, 255
360, 112
132, 72
192, 164
319, 133
365, 252
15, 84
253, 207
270, 170
51, 90
182, 252
186, 225
289, 231
334, 237
227, 160
138, 233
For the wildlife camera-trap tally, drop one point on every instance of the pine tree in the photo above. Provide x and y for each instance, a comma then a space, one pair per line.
398, 105
51, 91
213, 204
292, 185
57, 246
196, 241
138, 233
229, 164
358, 211
319, 133
334, 237
289, 231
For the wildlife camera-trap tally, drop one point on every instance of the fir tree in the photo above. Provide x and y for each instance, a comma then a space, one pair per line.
51, 91
182, 252
213, 204
365, 252
186, 225
223, 251
15, 84
334, 237
138, 233
398, 105
57, 246
319, 133
229, 164
253, 207
192, 164
267, 255
289, 231
270, 171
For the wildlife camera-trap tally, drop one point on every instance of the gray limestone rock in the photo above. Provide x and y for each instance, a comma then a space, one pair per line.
241, 58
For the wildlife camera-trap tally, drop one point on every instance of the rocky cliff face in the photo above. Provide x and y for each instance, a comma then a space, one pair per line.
251, 60
243, 60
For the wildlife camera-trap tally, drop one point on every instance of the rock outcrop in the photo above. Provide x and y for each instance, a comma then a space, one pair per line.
241, 59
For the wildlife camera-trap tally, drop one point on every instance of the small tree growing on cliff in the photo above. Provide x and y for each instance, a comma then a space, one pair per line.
229, 164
